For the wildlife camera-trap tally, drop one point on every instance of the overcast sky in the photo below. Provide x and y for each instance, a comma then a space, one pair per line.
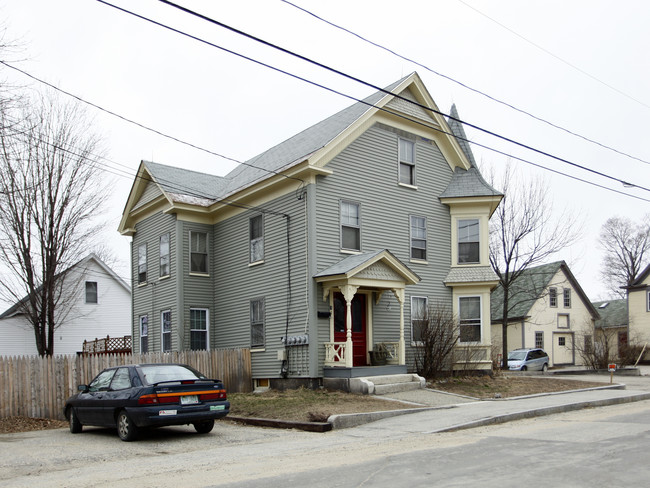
582, 65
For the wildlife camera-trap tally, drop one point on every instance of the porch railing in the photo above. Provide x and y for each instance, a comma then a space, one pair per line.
335, 354
391, 349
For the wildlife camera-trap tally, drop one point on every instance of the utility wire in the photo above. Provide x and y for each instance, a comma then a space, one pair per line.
365, 83
142, 126
554, 55
320, 86
449, 78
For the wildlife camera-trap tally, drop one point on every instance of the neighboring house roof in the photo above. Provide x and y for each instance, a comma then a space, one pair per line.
529, 287
613, 313
16, 309
639, 281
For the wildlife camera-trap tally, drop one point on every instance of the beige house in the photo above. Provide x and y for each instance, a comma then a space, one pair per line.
638, 303
547, 309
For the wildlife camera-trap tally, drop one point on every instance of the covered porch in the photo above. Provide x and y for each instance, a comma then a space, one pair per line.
354, 287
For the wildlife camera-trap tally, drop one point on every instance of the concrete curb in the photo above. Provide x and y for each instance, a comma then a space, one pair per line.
347, 420
539, 412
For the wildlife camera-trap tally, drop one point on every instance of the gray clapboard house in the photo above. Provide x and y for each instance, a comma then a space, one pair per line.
322, 249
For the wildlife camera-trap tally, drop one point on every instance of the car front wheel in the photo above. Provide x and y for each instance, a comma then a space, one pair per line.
523, 368
75, 425
126, 429
204, 427
545, 368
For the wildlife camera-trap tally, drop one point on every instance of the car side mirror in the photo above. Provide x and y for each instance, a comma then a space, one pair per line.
83, 388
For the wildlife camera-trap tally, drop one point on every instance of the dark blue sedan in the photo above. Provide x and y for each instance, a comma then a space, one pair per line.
147, 395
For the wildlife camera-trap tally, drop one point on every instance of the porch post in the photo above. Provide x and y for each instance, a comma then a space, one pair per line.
399, 294
348, 292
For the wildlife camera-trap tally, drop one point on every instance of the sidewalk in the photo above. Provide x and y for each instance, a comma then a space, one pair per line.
440, 412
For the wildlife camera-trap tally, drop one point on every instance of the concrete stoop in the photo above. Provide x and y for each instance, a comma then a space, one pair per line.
382, 385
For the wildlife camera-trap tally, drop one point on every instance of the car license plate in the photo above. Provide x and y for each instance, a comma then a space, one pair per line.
167, 412
217, 407
189, 399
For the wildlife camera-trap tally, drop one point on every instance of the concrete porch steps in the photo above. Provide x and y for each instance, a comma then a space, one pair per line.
383, 385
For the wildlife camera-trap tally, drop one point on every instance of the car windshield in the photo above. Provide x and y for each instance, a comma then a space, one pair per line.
517, 355
158, 373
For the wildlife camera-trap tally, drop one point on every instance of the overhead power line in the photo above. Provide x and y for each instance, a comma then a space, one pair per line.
371, 85
463, 85
553, 55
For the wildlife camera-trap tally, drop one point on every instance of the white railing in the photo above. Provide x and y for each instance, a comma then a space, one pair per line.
335, 354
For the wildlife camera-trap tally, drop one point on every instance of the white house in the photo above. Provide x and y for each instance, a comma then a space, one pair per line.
100, 307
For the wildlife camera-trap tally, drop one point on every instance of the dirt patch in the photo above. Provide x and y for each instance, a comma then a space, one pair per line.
317, 405
25, 424
507, 386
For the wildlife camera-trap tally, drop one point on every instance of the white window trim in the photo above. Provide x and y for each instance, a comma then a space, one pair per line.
250, 241
458, 242
426, 239
207, 254
262, 346
480, 297
412, 164
169, 254
207, 329
140, 332
346, 249
146, 265
162, 330
96, 302
426, 308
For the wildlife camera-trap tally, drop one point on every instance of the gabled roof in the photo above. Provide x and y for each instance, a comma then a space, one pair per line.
308, 151
356, 264
531, 285
16, 308
613, 313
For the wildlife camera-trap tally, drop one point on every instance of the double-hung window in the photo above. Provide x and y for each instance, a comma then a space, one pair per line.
142, 264
407, 162
144, 333
91, 292
256, 235
164, 255
257, 322
198, 329
468, 241
350, 226
418, 318
539, 340
567, 298
418, 238
198, 252
166, 325
469, 310
552, 297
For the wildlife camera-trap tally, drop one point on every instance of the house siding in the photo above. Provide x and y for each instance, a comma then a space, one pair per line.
238, 282
366, 172
158, 293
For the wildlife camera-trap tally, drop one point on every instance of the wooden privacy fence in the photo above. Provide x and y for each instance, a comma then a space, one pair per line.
39, 386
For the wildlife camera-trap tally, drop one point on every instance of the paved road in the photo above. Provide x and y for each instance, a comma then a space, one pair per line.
231, 453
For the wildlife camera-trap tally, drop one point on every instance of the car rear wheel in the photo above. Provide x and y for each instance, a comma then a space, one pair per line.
523, 368
75, 425
126, 429
545, 368
204, 427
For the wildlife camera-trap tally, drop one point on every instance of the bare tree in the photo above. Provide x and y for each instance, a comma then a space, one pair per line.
50, 197
524, 232
436, 332
626, 246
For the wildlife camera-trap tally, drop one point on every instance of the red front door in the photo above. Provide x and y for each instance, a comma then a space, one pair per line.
359, 344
